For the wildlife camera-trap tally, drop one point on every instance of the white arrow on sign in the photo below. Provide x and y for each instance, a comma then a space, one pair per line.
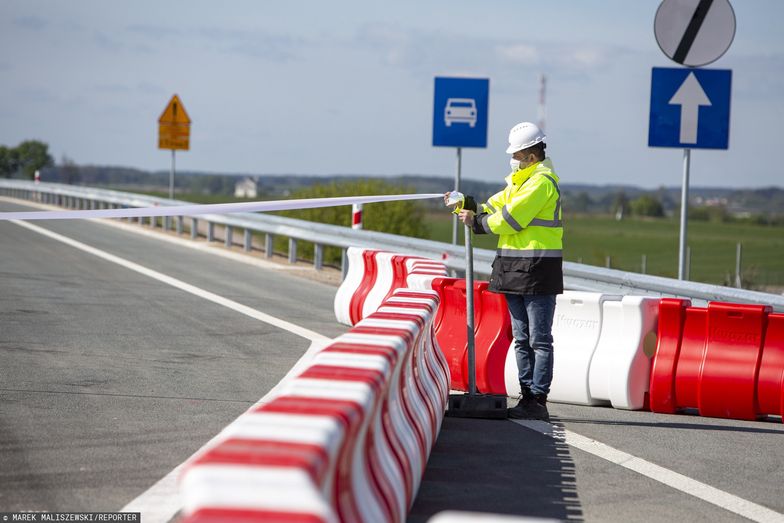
690, 96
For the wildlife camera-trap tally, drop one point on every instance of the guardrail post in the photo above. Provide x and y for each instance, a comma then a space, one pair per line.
738, 260
228, 236
268, 241
247, 241
194, 228
608, 262
179, 225
93, 205
166, 223
210, 232
318, 257
292, 250
343, 264
153, 219
644, 263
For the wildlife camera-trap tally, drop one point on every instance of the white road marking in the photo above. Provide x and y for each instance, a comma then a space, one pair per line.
211, 248
179, 284
215, 248
159, 503
720, 498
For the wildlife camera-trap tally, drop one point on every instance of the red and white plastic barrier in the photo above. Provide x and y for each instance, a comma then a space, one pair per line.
346, 438
373, 275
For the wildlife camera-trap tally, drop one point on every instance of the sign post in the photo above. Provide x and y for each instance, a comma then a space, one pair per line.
460, 115
174, 130
690, 108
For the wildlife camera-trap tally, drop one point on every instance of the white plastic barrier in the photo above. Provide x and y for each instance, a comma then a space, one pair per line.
346, 438
603, 345
373, 275
621, 365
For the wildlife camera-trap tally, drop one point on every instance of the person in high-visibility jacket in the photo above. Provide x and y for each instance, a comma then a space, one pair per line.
526, 217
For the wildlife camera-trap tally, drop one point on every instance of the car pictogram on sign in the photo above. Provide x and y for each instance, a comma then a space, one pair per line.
460, 110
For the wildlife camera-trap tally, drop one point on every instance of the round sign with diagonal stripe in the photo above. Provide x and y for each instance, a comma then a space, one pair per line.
694, 32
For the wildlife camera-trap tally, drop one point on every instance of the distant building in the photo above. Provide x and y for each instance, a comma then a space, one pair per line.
246, 188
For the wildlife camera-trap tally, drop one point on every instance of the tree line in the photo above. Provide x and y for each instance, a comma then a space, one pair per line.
24, 159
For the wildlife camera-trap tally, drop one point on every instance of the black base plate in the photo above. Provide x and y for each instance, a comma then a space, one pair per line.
486, 406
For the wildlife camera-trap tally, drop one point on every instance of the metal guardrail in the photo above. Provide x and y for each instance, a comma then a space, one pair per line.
577, 276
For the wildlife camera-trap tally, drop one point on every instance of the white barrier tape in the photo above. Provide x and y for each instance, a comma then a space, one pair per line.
214, 208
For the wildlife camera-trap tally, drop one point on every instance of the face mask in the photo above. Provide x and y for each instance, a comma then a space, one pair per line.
514, 164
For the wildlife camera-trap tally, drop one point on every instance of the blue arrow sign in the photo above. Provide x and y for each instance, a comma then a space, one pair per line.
690, 108
460, 108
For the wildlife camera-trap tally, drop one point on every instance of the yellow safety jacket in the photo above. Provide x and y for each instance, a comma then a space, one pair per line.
526, 216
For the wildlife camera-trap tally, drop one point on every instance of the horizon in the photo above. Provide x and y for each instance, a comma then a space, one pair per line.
447, 178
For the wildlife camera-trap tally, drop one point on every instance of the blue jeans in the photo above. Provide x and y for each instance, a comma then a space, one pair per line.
532, 328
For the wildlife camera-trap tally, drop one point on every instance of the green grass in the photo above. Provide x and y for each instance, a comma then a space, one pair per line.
591, 239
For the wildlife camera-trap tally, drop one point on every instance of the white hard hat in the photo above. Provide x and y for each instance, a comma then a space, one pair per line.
524, 135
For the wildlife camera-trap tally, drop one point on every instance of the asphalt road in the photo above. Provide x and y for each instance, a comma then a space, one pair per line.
109, 379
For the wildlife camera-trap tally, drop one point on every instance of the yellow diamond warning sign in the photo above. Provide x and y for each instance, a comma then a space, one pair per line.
174, 126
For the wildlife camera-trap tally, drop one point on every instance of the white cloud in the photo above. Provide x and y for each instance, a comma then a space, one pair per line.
585, 57
520, 54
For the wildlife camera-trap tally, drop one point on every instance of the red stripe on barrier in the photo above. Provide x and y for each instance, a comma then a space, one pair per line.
229, 515
358, 298
311, 458
672, 315
399, 274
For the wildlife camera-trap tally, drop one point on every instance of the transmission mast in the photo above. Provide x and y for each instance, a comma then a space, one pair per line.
542, 108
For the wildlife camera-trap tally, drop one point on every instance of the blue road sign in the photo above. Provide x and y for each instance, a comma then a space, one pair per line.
460, 107
690, 108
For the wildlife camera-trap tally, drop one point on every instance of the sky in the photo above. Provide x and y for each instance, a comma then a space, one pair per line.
346, 87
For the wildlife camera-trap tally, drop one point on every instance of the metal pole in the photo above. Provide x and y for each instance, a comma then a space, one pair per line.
684, 215
738, 254
469, 276
171, 179
457, 188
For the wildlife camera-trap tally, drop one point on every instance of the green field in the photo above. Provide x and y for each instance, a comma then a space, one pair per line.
590, 239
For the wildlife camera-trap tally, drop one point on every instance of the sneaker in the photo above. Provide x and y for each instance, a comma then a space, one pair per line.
539, 409
522, 409
531, 407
